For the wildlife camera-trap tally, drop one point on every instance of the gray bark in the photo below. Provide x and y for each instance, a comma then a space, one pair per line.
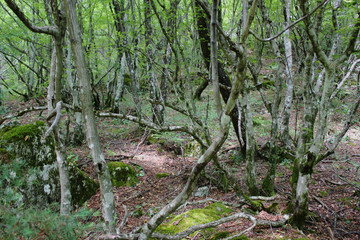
107, 196
284, 127
309, 147
78, 135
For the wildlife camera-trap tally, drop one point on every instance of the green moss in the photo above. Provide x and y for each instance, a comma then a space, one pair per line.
220, 235
274, 208
122, 174
241, 237
23, 133
82, 186
161, 175
193, 217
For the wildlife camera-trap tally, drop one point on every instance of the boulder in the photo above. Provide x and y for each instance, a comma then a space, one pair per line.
194, 217
122, 174
40, 178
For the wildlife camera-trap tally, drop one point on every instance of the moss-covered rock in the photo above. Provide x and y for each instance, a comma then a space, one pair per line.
40, 176
193, 217
122, 174
82, 186
161, 175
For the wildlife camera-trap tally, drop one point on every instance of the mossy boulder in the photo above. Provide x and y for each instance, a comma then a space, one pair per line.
27, 142
40, 176
82, 186
161, 175
122, 174
193, 217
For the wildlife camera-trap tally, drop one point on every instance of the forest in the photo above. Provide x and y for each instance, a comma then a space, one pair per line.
179, 119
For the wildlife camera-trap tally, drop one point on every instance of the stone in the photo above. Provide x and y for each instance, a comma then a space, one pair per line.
122, 174
40, 176
201, 192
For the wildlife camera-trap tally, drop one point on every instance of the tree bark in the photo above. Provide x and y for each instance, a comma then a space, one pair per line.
107, 196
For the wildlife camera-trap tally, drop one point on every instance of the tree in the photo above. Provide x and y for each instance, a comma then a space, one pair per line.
102, 170
311, 141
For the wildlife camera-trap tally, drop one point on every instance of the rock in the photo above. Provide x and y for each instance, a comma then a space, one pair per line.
193, 217
161, 175
82, 186
40, 177
201, 192
122, 174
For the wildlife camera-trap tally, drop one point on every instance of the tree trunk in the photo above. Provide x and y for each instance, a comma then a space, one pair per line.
154, 94
284, 127
78, 135
203, 30
107, 196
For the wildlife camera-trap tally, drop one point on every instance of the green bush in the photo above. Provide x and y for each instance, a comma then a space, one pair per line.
33, 223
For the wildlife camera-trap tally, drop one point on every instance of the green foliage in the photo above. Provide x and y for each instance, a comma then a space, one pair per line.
33, 223
237, 157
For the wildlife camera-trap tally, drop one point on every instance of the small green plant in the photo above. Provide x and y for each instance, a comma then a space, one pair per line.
286, 162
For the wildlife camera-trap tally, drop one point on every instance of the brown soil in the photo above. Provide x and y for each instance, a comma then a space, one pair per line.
335, 208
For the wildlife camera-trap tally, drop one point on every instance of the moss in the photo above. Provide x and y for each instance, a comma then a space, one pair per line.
254, 205
23, 133
194, 217
27, 142
122, 174
82, 186
241, 237
161, 175
220, 235
268, 185
274, 208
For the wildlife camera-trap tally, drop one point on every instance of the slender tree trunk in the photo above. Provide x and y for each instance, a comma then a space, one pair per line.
284, 127
269, 180
107, 196
78, 135
204, 33
155, 95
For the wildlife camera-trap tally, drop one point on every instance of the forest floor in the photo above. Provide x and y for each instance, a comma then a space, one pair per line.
335, 210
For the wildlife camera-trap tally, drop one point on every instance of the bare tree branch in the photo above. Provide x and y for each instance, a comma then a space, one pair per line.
57, 109
49, 30
290, 25
20, 113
